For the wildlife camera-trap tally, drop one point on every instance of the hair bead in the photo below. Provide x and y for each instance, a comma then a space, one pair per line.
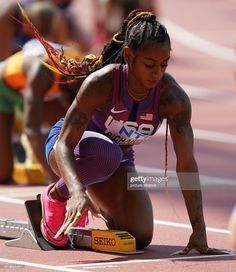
114, 38
139, 15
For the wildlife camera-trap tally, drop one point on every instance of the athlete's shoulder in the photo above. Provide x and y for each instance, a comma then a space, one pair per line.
171, 91
102, 78
98, 86
104, 72
173, 97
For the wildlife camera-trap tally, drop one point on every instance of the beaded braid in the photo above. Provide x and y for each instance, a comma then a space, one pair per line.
166, 152
112, 52
62, 64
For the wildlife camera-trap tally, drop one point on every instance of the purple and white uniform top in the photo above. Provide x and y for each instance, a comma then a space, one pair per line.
125, 121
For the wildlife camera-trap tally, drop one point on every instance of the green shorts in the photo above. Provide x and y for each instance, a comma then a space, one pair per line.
10, 101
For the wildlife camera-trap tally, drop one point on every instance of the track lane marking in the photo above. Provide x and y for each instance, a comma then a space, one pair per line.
206, 135
90, 265
188, 226
37, 265
209, 95
12, 200
188, 39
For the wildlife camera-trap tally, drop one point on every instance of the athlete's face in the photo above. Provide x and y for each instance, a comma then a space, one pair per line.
147, 66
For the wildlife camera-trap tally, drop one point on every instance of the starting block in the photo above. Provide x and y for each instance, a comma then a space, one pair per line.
113, 241
28, 235
28, 173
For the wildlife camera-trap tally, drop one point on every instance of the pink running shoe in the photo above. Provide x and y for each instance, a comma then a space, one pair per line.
83, 221
53, 215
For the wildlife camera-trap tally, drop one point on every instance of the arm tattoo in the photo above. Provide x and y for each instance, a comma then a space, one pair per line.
198, 219
193, 200
171, 92
90, 91
181, 121
79, 120
198, 200
98, 91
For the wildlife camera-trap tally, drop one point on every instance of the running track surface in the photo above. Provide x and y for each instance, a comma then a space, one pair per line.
203, 61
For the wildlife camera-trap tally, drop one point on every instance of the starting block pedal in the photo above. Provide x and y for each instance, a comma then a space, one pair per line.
20, 232
28, 235
23, 234
28, 173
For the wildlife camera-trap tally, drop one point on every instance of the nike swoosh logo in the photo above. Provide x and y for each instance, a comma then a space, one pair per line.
117, 111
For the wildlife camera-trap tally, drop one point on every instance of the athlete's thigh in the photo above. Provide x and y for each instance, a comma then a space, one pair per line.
129, 210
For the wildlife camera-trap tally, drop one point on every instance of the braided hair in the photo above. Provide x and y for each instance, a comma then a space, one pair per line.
137, 29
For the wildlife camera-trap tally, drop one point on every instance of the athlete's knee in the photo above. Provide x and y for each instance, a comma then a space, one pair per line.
142, 234
143, 238
107, 155
141, 228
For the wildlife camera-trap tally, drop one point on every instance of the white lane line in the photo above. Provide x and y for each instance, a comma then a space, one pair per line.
214, 136
12, 200
205, 180
37, 265
187, 226
190, 40
24, 189
207, 135
21, 194
219, 96
90, 265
